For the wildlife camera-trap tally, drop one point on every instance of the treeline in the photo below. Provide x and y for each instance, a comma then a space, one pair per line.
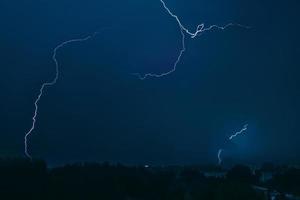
32, 180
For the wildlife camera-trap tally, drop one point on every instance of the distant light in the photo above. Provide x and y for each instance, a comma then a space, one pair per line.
146, 166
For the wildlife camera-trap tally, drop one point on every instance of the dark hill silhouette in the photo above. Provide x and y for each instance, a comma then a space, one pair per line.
32, 180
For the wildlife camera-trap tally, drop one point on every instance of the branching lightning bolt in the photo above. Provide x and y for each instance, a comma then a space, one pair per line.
46, 85
231, 137
199, 30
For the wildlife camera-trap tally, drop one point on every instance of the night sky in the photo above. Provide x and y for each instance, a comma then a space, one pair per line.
98, 111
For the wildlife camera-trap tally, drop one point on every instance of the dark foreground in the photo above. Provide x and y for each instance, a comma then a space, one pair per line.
23, 179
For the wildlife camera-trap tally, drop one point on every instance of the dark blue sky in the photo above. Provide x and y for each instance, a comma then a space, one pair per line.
98, 111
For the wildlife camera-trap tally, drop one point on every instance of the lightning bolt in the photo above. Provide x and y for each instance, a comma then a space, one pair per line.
200, 29
46, 85
239, 132
219, 156
231, 137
